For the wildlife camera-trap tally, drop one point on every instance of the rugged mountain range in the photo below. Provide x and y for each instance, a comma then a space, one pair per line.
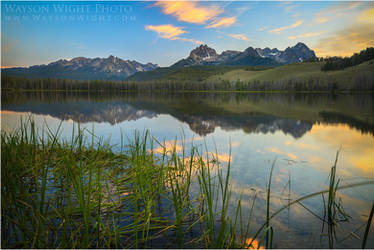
81, 68
114, 68
204, 55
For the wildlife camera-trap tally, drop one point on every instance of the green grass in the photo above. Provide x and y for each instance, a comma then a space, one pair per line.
303, 72
193, 73
83, 193
277, 73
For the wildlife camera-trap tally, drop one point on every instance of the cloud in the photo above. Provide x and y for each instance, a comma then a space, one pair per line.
190, 40
367, 16
292, 26
222, 22
239, 37
353, 38
168, 31
189, 11
335, 11
347, 41
306, 35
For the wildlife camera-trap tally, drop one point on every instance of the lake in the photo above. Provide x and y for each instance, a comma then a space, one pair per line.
299, 133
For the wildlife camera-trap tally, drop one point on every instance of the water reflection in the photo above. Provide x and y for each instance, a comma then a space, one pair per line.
253, 244
303, 132
358, 149
252, 113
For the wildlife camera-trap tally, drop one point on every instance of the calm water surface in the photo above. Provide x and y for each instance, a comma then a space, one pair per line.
301, 132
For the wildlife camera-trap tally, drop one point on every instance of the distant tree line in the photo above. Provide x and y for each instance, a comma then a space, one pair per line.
362, 82
337, 63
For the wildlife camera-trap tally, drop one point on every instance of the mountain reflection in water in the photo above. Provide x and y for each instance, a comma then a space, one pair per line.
252, 113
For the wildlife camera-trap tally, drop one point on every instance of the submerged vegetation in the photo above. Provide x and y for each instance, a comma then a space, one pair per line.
83, 193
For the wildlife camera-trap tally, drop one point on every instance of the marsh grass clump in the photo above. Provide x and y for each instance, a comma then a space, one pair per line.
82, 192
53, 192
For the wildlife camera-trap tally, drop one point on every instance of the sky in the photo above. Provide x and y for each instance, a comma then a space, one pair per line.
164, 32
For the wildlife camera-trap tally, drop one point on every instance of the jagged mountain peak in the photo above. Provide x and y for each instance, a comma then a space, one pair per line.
79, 59
203, 52
112, 58
251, 51
204, 55
301, 45
299, 53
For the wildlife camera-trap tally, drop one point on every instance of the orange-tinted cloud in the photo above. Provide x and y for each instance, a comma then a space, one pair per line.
168, 31
292, 26
189, 12
192, 12
239, 37
367, 16
222, 22
306, 35
351, 39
